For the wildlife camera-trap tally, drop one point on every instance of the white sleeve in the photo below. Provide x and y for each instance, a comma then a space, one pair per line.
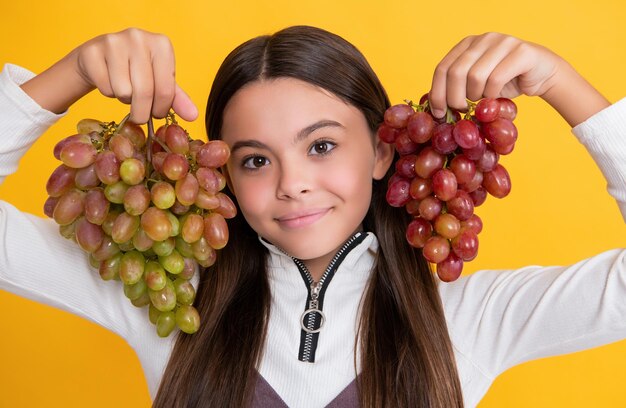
36, 262
503, 318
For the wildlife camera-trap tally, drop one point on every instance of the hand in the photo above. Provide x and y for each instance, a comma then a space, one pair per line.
495, 65
135, 66
491, 65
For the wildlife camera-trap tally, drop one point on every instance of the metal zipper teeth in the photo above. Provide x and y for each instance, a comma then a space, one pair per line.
309, 336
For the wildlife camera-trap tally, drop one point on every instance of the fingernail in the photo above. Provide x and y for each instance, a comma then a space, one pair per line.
438, 113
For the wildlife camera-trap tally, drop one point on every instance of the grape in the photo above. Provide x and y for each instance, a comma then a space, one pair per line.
88, 236
500, 133
107, 249
164, 299
397, 116
213, 154
165, 323
420, 188
465, 245
442, 140
69, 207
121, 147
48, 206
193, 227
387, 134
115, 192
124, 227
418, 232
156, 224
60, 181
488, 160
430, 207
188, 319
446, 168
463, 168
207, 201
444, 184
497, 182
110, 268
405, 166
87, 178
136, 199
165, 247
141, 241
447, 225
478, 196
398, 193
420, 127
134, 133
78, 154
107, 167
226, 208
436, 249
131, 267
428, 162
186, 189
487, 110
132, 171
210, 180
86, 126
185, 292
508, 110
473, 223
461, 205
176, 139
466, 134
404, 144
154, 276
136, 290
163, 195
145, 215
175, 166
215, 230
83, 138
450, 268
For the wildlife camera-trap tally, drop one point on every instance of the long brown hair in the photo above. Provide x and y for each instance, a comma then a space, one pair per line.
406, 353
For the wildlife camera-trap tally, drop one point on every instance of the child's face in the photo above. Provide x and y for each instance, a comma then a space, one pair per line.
304, 189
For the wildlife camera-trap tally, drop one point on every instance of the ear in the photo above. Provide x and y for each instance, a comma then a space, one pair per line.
384, 157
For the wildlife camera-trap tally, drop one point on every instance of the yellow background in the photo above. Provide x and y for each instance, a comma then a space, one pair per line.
557, 213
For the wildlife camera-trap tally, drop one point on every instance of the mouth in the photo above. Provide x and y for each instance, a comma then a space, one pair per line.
302, 218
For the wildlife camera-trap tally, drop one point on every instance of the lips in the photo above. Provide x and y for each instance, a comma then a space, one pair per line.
302, 218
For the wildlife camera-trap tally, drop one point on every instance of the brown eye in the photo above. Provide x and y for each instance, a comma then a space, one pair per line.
322, 148
255, 162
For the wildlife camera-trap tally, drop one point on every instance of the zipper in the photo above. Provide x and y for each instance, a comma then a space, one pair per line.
313, 318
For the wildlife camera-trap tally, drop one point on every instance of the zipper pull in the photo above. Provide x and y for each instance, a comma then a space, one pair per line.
313, 308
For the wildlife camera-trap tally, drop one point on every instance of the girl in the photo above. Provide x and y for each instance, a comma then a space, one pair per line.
299, 110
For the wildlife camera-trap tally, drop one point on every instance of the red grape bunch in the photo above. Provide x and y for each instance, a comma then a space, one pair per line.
149, 211
446, 168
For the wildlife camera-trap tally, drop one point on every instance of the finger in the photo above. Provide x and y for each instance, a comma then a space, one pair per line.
95, 71
164, 69
119, 75
482, 69
511, 67
184, 106
438, 90
142, 80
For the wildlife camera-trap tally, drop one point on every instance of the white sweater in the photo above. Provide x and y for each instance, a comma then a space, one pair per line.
496, 319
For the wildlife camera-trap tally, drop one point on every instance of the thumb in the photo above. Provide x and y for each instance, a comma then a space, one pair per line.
184, 106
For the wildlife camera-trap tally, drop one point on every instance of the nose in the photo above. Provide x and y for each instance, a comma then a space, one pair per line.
294, 179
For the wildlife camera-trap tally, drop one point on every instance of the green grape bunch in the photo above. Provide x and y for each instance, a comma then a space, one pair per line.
149, 211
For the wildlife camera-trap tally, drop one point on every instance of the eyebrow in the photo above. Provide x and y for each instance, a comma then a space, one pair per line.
302, 134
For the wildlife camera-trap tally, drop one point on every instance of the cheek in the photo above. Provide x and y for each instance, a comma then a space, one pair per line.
253, 196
